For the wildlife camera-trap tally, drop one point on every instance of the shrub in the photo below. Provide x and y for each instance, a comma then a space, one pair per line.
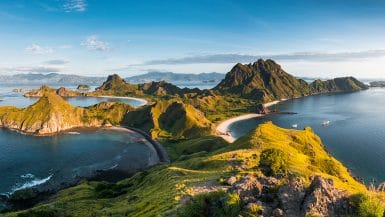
108, 190
43, 212
273, 161
367, 206
217, 204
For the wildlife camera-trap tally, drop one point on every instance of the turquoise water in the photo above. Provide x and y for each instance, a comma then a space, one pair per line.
26, 161
355, 135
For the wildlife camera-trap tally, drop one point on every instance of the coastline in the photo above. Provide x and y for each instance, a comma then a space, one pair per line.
142, 101
223, 128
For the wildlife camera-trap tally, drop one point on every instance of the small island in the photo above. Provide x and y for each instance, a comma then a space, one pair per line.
83, 87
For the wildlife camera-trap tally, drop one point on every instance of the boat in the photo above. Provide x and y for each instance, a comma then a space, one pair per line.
325, 123
73, 133
294, 125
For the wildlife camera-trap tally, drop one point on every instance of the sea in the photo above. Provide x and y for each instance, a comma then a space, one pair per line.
351, 126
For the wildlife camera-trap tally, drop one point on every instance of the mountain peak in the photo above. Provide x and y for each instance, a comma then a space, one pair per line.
111, 82
262, 80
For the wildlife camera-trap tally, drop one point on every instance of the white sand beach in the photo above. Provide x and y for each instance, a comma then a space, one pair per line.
142, 101
223, 128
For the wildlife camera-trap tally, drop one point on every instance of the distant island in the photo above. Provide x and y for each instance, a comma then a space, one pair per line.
270, 171
69, 79
211, 77
377, 84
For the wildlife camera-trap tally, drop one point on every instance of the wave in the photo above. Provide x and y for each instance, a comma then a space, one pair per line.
32, 183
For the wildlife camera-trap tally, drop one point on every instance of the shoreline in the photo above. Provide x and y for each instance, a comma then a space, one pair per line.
222, 128
142, 101
45, 187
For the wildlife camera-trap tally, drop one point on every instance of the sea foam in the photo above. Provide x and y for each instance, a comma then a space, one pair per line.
32, 183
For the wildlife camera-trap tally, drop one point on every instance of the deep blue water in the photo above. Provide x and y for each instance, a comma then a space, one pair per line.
355, 135
29, 160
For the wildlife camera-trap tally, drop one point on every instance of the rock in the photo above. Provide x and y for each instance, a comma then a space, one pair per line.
248, 188
232, 180
277, 213
291, 196
261, 109
323, 199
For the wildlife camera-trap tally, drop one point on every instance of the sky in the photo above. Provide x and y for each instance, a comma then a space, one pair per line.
308, 38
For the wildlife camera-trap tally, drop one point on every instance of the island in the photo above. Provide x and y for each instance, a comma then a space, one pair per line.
83, 87
270, 171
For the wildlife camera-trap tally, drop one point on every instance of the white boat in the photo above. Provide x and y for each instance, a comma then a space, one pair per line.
73, 133
294, 125
325, 123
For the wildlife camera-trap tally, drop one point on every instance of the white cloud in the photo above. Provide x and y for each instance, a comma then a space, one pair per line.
246, 58
93, 43
34, 69
56, 62
75, 5
37, 49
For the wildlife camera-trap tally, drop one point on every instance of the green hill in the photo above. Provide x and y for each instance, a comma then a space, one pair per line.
169, 119
52, 114
263, 80
344, 84
266, 81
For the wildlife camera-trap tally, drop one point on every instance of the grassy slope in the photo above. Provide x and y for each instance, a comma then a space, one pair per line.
170, 119
159, 189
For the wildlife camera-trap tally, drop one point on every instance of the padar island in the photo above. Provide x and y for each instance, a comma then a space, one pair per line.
270, 171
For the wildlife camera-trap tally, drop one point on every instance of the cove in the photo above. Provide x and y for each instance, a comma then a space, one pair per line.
355, 135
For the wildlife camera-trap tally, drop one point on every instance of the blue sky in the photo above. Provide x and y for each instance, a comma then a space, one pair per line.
98, 37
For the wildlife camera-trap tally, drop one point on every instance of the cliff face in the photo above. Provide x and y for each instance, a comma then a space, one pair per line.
52, 114
265, 80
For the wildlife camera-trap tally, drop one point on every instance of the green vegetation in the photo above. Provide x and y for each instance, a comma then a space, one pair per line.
193, 184
367, 205
52, 114
274, 161
170, 119
161, 189
83, 87
213, 204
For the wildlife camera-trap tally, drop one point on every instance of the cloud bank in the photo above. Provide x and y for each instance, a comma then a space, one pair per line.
299, 56
38, 49
31, 69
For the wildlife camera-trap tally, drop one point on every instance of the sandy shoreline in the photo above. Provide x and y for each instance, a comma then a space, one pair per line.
142, 101
223, 128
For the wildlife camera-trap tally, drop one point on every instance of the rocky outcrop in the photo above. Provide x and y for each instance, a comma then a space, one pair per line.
293, 199
323, 199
